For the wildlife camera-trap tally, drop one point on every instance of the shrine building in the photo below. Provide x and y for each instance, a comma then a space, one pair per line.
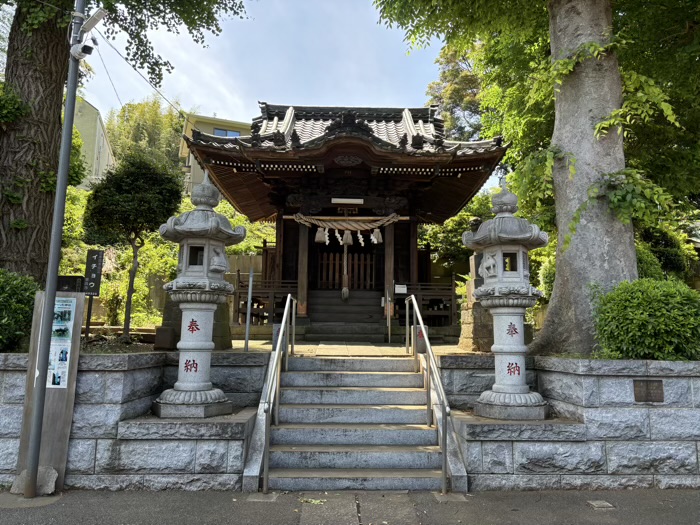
347, 189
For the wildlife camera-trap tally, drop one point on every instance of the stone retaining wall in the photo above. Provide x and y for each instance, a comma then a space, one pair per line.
601, 438
114, 444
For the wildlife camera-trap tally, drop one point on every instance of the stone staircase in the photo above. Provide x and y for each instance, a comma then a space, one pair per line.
357, 320
353, 423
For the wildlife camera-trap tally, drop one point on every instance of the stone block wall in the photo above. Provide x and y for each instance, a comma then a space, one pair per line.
601, 437
115, 444
477, 328
465, 377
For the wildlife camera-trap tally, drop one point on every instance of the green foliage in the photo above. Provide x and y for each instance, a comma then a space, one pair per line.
134, 198
648, 266
12, 107
146, 126
131, 201
643, 100
78, 168
649, 319
137, 20
446, 239
16, 306
671, 248
455, 93
256, 232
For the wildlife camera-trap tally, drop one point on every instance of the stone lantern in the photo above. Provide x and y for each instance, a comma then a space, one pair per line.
505, 241
198, 288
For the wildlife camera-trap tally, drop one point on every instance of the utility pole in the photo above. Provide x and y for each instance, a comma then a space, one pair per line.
37, 411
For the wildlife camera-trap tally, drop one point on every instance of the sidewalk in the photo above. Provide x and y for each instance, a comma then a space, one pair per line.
638, 507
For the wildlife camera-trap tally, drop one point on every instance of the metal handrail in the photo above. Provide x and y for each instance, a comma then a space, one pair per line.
387, 309
270, 397
432, 374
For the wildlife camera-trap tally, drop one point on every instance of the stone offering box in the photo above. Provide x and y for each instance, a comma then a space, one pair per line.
617, 424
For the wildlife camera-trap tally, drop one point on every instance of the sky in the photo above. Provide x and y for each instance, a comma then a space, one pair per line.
298, 52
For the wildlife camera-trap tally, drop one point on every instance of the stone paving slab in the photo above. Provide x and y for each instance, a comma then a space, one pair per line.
79, 507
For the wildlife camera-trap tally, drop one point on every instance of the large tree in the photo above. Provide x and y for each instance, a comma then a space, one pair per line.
601, 251
37, 66
133, 200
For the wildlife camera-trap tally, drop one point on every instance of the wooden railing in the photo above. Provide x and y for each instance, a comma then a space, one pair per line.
361, 271
268, 300
437, 302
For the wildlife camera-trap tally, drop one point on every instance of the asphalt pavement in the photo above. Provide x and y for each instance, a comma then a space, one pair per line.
638, 507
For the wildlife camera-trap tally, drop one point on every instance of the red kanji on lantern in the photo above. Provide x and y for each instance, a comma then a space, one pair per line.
191, 365
512, 330
513, 369
193, 326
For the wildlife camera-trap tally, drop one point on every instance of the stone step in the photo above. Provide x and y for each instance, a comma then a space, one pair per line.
352, 434
339, 379
355, 456
353, 396
344, 307
355, 479
382, 414
345, 328
352, 316
356, 364
355, 299
345, 338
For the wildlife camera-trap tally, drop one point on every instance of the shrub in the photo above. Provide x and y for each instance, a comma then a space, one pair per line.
16, 308
648, 266
648, 319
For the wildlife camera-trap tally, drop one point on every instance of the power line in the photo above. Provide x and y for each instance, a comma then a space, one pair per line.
55, 7
176, 108
121, 104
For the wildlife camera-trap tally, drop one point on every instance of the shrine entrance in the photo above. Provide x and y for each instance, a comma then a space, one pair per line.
365, 267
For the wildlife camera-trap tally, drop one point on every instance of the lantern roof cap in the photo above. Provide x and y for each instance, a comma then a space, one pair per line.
505, 228
203, 221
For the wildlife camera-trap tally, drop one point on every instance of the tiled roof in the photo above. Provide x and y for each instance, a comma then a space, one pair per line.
414, 131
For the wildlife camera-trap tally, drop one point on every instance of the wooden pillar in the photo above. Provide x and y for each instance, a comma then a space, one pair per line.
303, 271
389, 266
413, 249
279, 244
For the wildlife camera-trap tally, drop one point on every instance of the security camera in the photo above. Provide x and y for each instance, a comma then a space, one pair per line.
80, 51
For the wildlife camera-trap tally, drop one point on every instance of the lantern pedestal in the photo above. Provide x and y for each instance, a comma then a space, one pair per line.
193, 395
510, 397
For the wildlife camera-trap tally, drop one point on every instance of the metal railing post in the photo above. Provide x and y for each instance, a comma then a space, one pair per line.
429, 409
408, 328
276, 403
266, 455
294, 326
444, 450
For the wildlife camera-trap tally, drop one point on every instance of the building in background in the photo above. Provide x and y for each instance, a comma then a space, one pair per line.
96, 148
212, 126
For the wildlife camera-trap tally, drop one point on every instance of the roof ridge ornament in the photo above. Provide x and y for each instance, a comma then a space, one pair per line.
347, 122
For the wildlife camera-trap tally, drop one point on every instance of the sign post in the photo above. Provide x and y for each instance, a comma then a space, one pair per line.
93, 278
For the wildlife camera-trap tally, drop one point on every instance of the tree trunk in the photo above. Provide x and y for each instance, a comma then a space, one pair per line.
135, 246
37, 67
601, 252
